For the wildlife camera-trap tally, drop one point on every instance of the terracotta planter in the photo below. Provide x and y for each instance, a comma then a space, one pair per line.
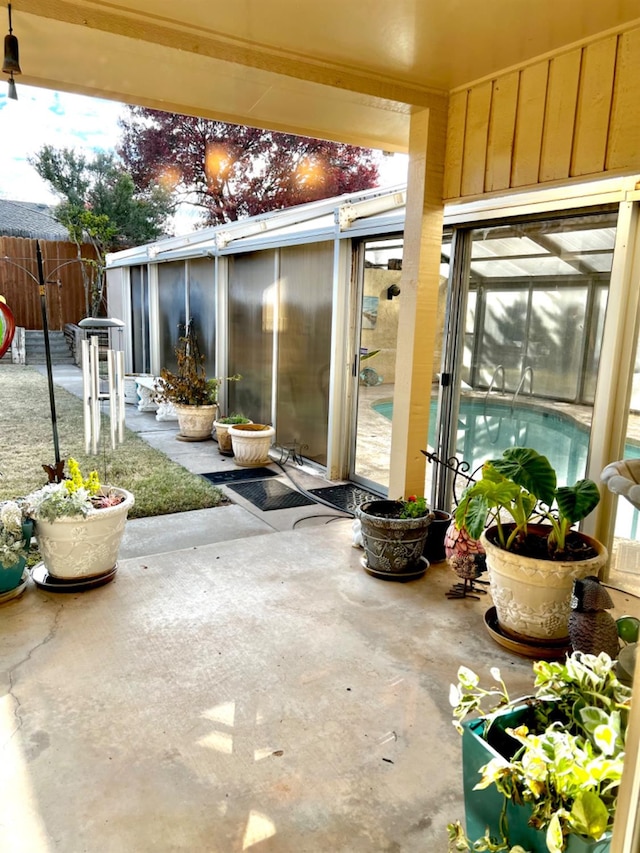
533, 596
84, 546
196, 422
224, 439
251, 443
392, 546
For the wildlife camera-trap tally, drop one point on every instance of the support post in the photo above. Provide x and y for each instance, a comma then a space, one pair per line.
417, 324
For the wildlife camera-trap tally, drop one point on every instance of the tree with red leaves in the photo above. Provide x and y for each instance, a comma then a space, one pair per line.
230, 171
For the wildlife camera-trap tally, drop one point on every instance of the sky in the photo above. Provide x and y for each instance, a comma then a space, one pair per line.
42, 116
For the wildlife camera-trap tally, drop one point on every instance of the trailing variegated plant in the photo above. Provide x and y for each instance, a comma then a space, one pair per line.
568, 766
13, 542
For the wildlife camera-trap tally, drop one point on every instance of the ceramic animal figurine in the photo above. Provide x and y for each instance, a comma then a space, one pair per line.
591, 629
467, 559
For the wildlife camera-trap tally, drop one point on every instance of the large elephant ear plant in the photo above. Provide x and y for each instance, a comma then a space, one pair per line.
523, 484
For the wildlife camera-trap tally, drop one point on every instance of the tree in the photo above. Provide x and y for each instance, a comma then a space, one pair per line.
229, 171
100, 206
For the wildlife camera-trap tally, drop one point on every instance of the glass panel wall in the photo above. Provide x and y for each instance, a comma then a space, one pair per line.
596, 316
624, 568
531, 344
252, 314
304, 348
140, 319
171, 310
202, 308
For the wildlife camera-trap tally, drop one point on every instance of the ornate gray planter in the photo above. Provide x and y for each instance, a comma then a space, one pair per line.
393, 545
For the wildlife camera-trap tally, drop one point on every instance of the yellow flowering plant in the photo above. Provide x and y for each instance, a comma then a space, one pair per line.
76, 481
76, 495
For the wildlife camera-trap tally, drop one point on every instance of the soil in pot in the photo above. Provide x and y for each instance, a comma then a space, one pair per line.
535, 545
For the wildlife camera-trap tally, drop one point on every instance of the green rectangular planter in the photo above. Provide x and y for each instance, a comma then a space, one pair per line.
483, 808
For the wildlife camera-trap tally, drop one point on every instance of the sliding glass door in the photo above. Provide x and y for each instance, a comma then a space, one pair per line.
525, 364
378, 298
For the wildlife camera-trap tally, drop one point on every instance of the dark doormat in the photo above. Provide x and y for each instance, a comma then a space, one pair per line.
271, 494
346, 497
238, 475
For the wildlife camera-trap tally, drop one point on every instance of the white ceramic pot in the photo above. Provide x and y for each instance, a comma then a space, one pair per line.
196, 422
251, 443
84, 546
224, 439
533, 596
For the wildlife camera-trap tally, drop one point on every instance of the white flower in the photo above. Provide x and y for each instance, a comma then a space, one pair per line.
55, 501
12, 543
11, 517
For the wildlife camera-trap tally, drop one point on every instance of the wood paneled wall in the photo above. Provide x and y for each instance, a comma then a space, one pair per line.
572, 115
64, 293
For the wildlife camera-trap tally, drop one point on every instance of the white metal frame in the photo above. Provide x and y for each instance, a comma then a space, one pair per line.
340, 385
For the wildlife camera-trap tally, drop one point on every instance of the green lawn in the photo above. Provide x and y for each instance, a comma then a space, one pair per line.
160, 486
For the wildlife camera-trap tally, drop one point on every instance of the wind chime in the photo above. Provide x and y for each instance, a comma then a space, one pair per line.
11, 61
92, 394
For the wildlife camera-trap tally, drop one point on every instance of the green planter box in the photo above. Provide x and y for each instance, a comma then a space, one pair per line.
483, 808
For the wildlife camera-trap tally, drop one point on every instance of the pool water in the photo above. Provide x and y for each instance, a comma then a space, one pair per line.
485, 429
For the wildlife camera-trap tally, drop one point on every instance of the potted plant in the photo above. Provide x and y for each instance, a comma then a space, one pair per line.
221, 426
393, 537
531, 565
193, 395
79, 524
15, 540
250, 444
549, 765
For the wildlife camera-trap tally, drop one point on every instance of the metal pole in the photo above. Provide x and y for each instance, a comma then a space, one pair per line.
45, 327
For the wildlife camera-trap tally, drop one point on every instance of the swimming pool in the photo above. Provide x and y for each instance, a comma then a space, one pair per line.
485, 429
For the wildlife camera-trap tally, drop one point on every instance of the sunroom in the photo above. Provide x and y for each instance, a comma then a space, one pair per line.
505, 110
305, 303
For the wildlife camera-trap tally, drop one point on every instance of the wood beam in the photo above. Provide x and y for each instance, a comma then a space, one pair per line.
419, 285
207, 42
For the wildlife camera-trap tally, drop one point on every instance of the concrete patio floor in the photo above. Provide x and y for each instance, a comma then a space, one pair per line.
239, 686
263, 693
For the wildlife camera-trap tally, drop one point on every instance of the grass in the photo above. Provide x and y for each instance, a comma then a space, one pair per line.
160, 486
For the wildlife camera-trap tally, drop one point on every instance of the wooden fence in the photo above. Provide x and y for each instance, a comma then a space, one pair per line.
64, 290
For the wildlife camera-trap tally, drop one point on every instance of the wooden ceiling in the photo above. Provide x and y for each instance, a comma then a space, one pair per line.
341, 69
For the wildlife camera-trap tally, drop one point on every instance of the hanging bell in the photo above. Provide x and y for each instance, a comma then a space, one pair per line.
11, 64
